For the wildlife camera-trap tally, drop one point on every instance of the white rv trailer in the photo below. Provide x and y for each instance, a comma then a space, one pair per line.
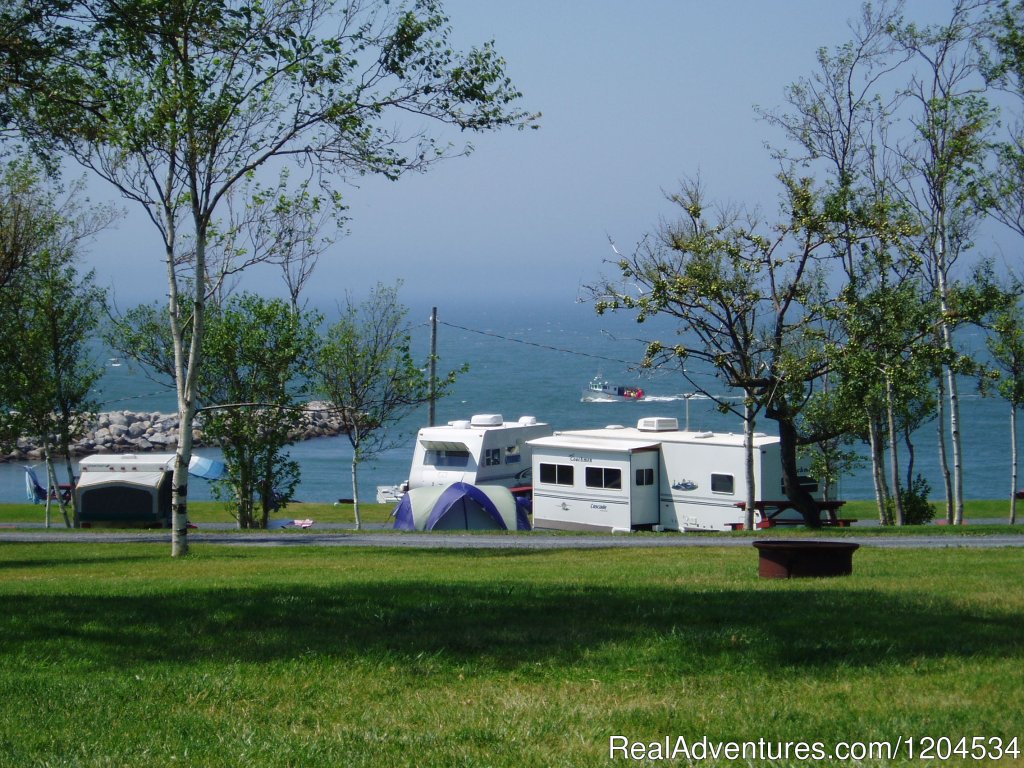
653, 476
484, 449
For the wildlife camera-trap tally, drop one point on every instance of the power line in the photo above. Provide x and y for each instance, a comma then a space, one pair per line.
549, 347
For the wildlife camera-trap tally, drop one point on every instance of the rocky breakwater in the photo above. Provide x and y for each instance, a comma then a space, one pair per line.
142, 432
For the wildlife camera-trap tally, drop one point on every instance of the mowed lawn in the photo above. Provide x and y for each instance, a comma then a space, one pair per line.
117, 655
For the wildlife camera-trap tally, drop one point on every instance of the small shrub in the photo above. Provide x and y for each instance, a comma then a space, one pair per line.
917, 510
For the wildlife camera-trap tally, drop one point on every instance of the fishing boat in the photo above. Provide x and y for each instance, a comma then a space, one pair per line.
601, 390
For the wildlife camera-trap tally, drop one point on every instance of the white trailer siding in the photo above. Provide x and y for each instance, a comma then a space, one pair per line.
594, 486
701, 477
704, 478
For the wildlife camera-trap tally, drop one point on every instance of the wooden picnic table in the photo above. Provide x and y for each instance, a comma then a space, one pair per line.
771, 509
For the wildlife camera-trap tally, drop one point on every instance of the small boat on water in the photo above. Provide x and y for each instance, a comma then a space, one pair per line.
601, 390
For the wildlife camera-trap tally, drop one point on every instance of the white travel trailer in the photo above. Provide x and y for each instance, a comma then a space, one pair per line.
482, 450
654, 476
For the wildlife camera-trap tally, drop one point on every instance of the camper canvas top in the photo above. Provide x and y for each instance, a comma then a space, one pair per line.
127, 462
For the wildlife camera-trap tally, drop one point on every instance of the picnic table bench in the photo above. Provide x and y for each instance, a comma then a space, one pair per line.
771, 509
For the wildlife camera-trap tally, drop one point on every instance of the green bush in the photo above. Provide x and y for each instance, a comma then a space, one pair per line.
916, 508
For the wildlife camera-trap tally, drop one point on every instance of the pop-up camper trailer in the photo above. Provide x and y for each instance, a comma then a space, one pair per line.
131, 490
654, 476
483, 450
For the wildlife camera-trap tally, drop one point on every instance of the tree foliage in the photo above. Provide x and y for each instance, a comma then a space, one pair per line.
1006, 345
182, 104
50, 312
367, 372
257, 354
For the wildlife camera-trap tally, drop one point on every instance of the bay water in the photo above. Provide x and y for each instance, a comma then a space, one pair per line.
538, 361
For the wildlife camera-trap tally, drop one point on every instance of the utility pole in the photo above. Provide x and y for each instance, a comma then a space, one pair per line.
433, 366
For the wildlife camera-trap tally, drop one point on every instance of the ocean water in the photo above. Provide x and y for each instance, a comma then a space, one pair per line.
538, 363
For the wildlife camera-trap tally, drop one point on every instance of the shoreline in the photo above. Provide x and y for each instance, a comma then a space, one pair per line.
150, 431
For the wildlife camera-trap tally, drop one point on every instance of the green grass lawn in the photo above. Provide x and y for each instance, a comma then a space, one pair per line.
118, 655
216, 512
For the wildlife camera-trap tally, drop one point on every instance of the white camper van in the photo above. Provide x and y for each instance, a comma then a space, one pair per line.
482, 450
654, 476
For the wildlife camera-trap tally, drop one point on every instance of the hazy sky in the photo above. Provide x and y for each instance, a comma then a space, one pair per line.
634, 96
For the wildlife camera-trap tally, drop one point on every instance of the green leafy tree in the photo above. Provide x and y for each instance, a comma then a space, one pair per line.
696, 270
1006, 343
943, 181
187, 103
50, 311
750, 299
257, 355
883, 367
838, 121
367, 372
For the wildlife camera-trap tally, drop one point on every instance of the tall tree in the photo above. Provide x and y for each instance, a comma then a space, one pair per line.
837, 120
696, 270
944, 171
50, 312
367, 372
1006, 343
750, 300
258, 354
186, 102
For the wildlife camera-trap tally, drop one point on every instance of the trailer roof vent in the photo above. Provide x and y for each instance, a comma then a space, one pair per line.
703, 435
459, 424
658, 424
487, 420
527, 421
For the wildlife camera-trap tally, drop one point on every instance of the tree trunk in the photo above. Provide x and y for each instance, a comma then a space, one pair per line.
954, 430
179, 486
355, 489
797, 494
911, 453
894, 458
748, 455
53, 487
877, 470
947, 479
1013, 464
72, 482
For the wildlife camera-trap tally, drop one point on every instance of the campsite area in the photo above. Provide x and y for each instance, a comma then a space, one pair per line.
119, 655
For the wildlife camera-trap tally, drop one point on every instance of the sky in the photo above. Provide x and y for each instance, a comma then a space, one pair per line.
634, 97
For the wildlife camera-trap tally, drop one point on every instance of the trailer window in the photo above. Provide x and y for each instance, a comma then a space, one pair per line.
723, 484
492, 457
645, 476
604, 477
556, 474
436, 458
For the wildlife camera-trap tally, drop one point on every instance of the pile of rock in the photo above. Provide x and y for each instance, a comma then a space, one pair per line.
140, 432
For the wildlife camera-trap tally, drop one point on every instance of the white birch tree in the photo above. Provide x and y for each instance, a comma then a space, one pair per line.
186, 102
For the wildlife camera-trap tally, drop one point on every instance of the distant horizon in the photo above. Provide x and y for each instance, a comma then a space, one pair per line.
633, 99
